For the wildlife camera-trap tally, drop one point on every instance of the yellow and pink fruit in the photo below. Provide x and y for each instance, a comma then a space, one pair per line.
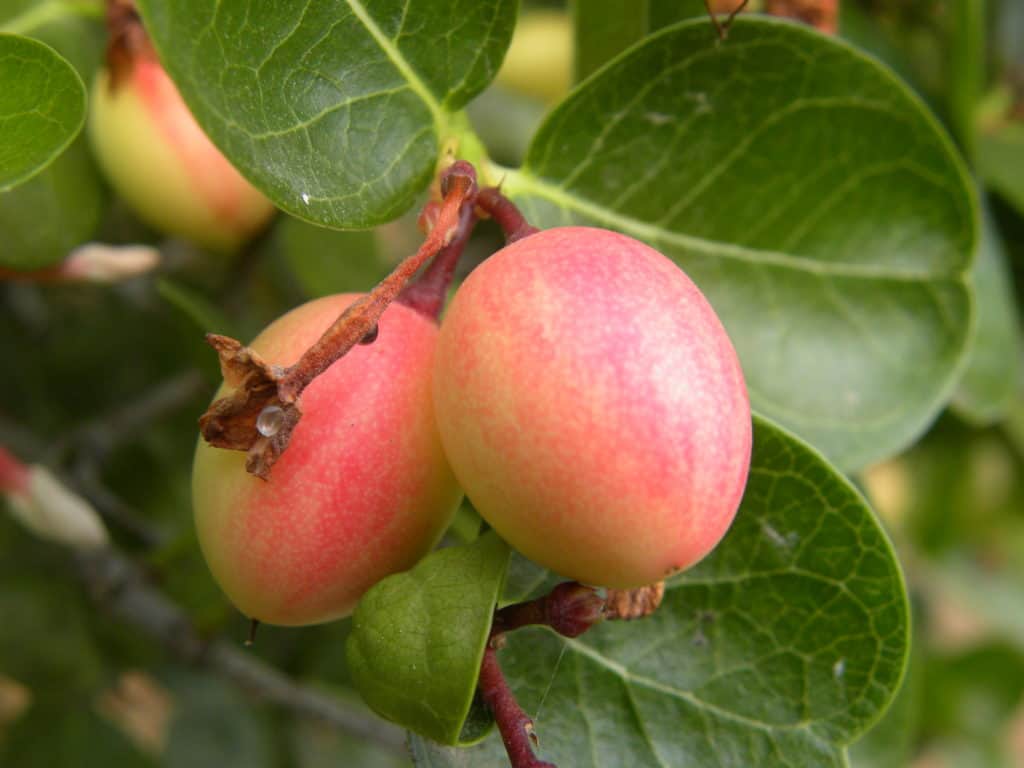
362, 491
159, 160
593, 407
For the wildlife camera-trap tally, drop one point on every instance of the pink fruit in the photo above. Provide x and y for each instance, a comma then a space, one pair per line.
592, 407
159, 160
362, 491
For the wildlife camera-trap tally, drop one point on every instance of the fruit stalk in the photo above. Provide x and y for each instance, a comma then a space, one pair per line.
570, 609
515, 726
428, 293
361, 318
232, 421
505, 214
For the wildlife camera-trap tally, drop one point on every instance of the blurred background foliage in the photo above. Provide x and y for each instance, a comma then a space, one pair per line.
104, 384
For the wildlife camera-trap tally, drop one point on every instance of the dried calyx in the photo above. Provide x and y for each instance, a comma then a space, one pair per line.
260, 390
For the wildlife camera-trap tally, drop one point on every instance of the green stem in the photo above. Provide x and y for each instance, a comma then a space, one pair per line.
54, 10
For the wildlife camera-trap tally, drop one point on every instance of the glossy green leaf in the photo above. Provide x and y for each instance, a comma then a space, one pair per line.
811, 197
58, 209
336, 109
993, 368
780, 648
418, 638
74, 28
42, 107
891, 741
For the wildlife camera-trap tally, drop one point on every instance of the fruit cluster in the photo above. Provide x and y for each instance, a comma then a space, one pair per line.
582, 389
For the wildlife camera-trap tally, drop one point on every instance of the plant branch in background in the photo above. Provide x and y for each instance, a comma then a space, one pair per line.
120, 586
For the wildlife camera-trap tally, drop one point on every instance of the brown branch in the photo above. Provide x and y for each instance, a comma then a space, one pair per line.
120, 587
102, 435
722, 28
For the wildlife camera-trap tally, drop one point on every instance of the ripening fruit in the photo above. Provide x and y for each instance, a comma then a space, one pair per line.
159, 160
592, 407
362, 491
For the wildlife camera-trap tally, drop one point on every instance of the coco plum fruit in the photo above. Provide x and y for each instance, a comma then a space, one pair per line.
593, 407
159, 160
363, 490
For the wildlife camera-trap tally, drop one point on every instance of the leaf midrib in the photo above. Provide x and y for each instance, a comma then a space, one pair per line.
395, 56
522, 182
628, 677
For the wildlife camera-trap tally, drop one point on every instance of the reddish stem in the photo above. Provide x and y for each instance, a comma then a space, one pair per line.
505, 214
515, 726
570, 609
14, 475
459, 184
427, 294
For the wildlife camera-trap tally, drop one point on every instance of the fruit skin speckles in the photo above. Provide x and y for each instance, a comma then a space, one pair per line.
593, 407
159, 160
363, 491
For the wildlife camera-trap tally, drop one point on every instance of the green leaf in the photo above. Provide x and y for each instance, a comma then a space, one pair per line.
74, 28
780, 648
811, 197
993, 368
418, 638
336, 109
327, 261
42, 107
60, 208
604, 29
890, 743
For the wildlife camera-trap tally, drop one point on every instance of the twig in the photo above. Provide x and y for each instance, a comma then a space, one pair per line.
102, 435
722, 28
515, 727
120, 587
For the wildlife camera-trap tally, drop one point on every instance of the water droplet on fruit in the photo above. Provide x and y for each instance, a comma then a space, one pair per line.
270, 420
371, 335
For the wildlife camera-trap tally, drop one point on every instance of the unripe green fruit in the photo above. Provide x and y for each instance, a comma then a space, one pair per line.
592, 407
159, 160
362, 491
